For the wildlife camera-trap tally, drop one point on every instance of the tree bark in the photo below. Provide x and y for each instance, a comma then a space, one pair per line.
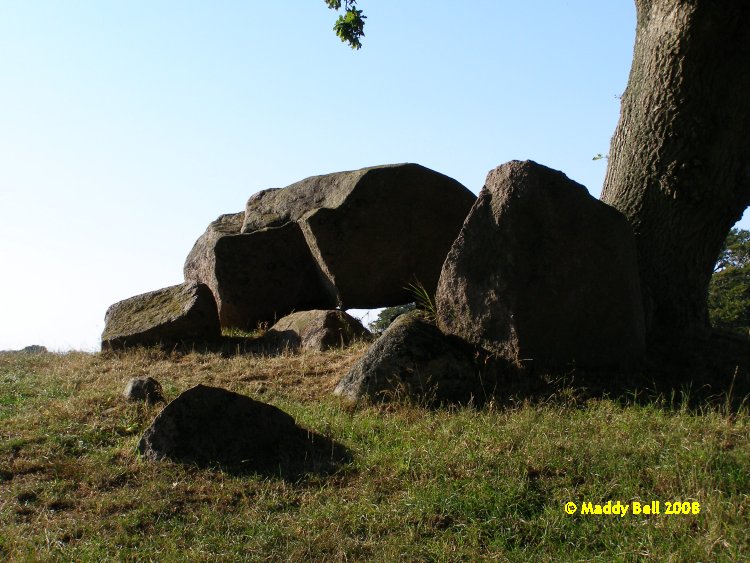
679, 163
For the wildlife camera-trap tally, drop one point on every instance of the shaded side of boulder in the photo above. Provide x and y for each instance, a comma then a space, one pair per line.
412, 359
180, 314
264, 275
199, 264
543, 274
394, 229
213, 425
373, 231
256, 277
317, 330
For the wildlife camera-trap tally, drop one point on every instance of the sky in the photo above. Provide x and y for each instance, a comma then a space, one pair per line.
127, 127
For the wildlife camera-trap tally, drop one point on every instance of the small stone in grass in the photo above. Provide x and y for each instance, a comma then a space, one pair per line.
144, 389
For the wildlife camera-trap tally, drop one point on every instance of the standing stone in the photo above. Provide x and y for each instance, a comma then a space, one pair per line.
258, 277
212, 425
543, 274
180, 314
317, 330
372, 231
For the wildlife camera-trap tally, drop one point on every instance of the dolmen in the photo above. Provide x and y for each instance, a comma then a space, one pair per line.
353, 239
348, 240
542, 276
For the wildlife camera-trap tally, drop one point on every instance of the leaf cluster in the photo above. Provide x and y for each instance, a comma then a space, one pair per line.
729, 290
350, 25
736, 250
388, 315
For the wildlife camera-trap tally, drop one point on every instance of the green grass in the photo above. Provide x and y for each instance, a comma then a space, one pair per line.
259, 332
432, 485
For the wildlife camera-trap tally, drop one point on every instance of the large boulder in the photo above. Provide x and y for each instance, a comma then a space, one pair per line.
317, 330
256, 277
209, 424
372, 231
543, 274
199, 264
413, 360
180, 314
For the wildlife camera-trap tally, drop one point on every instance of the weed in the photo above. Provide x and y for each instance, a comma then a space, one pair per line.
424, 301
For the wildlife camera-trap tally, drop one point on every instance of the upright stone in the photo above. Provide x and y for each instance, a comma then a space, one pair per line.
543, 273
180, 314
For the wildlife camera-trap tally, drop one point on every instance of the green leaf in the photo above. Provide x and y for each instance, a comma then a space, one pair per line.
729, 290
350, 27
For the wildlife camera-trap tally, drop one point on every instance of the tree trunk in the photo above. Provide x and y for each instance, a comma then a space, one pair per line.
679, 163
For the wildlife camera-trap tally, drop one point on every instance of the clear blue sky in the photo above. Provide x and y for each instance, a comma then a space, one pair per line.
126, 127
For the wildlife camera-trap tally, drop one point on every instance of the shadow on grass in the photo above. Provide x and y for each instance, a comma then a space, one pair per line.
226, 346
212, 426
697, 375
304, 454
300, 455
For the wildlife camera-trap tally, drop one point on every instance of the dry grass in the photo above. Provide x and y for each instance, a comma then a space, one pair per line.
443, 484
307, 376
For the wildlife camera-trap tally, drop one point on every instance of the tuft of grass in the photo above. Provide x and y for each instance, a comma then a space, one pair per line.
424, 484
424, 301
236, 332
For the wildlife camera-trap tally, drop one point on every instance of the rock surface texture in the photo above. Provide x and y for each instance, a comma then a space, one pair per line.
371, 231
543, 274
317, 330
199, 264
259, 276
144, 389
412, 359
212, 425
180, 314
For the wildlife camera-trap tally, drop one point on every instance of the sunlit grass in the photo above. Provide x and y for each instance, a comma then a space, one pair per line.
441, 484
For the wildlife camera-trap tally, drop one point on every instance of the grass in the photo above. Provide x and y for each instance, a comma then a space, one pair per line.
424, 484
235, 332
